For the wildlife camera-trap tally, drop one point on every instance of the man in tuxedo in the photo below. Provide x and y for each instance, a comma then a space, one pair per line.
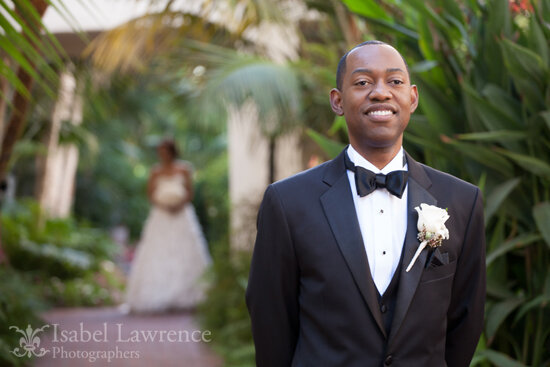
328, 283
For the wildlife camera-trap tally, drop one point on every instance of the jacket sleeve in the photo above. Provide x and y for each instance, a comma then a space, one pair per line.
273, 286
466, 311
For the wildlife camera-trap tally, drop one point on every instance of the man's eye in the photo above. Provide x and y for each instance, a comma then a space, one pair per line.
361, 82
396, 82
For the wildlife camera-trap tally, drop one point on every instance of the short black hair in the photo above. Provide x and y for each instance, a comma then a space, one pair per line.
342, 63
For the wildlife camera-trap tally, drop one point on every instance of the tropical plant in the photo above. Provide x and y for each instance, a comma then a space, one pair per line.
69, 260
482, 69
224, 311
137, 44
200, 49
27, 57
233, 78
20, 303
130, 115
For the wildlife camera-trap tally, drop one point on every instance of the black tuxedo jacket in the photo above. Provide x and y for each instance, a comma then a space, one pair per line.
310, 294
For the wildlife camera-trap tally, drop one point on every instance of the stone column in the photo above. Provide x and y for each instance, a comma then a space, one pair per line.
56, 191
248, 149
249, 170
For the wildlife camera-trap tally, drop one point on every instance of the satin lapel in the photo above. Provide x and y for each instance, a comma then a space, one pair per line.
340, 211
408, 281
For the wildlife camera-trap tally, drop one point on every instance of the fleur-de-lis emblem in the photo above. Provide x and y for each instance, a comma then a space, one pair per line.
29, 344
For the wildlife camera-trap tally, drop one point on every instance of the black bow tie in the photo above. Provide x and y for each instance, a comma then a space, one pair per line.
367, 181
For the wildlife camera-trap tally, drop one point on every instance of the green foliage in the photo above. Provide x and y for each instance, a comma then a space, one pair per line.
129, 117
59, 247
69, 260
110, 188
224, 311
234, 77
22, 45
484, 91
329, 146
102, 287
211, 200
541, 213
20, 303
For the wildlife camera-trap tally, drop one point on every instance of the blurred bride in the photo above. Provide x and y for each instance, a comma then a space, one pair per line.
172, 254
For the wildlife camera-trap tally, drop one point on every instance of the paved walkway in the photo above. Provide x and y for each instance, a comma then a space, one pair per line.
77, 335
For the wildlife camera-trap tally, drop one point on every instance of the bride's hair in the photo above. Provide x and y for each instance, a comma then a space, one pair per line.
170, 145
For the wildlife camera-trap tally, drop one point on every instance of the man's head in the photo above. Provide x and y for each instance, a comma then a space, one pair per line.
342, 63
374, 95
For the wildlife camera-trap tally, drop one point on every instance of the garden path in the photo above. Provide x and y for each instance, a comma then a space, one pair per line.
81, 331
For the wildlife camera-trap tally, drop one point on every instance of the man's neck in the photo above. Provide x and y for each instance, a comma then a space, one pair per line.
379, 157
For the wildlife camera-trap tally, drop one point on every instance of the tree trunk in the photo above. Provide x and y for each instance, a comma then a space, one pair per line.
4, 90
20, 104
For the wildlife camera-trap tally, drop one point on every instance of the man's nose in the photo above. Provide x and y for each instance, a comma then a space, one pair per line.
380, 91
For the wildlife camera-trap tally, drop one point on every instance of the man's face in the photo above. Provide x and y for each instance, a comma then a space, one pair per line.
377, 98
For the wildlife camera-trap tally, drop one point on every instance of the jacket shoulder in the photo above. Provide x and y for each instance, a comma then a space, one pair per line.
302, 185
302, 178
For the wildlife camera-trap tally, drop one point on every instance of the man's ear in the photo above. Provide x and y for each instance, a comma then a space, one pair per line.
336, 102
414, 98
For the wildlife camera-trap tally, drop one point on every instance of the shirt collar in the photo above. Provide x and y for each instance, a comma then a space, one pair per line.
395, 164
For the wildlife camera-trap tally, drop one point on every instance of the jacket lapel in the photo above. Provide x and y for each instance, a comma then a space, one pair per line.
408, 281
340, 211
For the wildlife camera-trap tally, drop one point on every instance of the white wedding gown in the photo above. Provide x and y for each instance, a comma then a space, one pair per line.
171, 257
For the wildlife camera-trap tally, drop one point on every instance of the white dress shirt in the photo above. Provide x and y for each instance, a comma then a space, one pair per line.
382, 220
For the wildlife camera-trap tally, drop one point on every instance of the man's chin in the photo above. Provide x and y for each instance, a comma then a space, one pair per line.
383, 141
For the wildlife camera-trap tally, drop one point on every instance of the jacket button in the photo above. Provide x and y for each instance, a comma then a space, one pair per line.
383, 308
388, 361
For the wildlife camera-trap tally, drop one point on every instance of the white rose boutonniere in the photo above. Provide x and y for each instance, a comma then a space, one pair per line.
431, 228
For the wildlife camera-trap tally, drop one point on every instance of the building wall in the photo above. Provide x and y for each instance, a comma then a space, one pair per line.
249, 170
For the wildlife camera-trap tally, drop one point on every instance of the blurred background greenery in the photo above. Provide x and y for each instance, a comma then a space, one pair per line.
482, 69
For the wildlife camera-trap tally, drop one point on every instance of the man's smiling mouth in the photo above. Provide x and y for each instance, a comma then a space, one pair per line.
380, 113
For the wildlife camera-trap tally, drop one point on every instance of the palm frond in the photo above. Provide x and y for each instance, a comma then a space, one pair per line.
232, 78
133, 45
25, 40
